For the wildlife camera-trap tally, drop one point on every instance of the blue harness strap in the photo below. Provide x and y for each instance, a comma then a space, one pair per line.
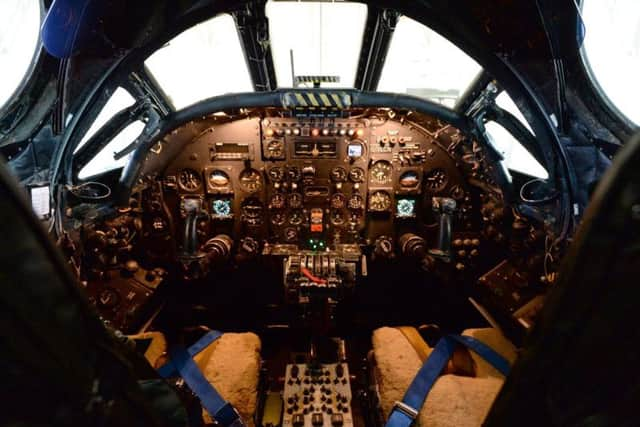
181, 363
168, 370
405, 412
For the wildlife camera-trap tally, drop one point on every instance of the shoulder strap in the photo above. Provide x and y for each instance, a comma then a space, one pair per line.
405, 412
181, 362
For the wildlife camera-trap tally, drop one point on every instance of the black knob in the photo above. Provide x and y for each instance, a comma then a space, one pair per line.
383, 248
337, 420
412, 246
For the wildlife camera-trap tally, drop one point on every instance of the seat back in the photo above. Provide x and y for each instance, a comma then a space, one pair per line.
581, 363
60, 365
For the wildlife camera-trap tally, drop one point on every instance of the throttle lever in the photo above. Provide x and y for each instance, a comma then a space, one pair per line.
444, 207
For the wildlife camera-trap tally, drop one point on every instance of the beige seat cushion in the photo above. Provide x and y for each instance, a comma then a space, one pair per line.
232, 365
454, 400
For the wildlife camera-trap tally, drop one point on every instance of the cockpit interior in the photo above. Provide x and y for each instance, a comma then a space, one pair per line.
316, 254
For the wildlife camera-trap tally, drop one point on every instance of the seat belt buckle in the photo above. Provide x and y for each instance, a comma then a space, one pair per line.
228, 416
407, 410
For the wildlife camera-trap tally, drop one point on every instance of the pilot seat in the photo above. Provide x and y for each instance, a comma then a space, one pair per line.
461, 397
62, 360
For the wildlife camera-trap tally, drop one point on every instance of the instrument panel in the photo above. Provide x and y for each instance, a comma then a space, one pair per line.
294, 181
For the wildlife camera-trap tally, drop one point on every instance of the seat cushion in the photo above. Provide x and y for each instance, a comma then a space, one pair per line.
454, 400
232, 365
494, 339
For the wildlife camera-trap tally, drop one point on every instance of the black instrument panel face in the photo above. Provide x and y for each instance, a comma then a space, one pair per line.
292, 181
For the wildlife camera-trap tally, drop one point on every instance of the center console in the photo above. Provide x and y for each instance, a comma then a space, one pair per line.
317, 395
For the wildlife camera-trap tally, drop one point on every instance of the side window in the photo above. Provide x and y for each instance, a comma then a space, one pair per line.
612, 51
120, 100
104, 161
516, 157
19, 31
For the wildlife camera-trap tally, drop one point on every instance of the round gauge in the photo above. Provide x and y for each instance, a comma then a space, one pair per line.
221, 208
276, 174
295, 217
290, 234
406, 208
381, 172
189, 180
435, 179
295, 200
278, 201
355, 202
338, 200
337, 217
409, 179
278, 218
356, 175
275, 149
250, 181
338, 174
379, 201
252, 211
294, 173
218, 178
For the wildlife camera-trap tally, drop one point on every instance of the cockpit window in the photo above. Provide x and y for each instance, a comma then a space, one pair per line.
515, 156
323, 38
612, 50
204, 61
421, 62
19, 34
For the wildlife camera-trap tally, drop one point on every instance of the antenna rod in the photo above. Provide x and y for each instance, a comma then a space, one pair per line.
293, 72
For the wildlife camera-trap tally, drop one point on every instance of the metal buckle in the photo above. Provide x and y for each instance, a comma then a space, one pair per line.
228, 416
405, 409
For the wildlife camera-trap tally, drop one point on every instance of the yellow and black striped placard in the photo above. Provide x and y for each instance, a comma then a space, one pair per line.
310, 99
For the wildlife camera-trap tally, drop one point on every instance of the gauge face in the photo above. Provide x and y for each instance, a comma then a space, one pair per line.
337, 217
295, 217
218, 178
278, 218
275, 149
278, 201
379, 201
250, 181
381, 172
294, 173
252, 211
295, 200
290, 234
406, 208
338, 174
189, 180
356, 202
338, 200
356, 175
276, 174
409, 179
435, 179
355, 150
221, 208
